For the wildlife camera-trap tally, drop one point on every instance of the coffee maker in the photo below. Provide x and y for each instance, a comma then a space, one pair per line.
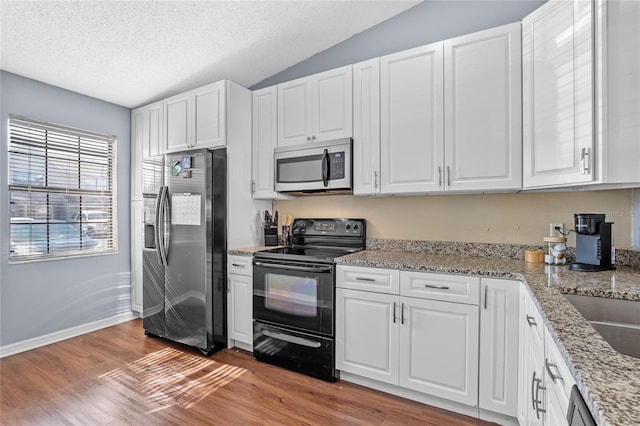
594, 243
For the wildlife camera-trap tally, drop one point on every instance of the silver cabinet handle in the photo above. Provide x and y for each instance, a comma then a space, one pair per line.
313, 138
365, 279
486, 289
375, 179
394, 312
553, 376
539, 387
253, 186
439, 287
292, 339
308, 138
402, 313
585, 154
448, 176
237, 265
533, 387
439, 176
531, 321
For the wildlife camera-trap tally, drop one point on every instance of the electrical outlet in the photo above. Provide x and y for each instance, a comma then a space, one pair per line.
552, 229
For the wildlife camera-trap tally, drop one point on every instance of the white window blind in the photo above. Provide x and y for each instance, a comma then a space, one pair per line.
62, 190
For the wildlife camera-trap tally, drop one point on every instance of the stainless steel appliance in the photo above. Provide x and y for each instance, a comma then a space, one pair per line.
294, 295
578, 413
184, 258
594, 243
316, 167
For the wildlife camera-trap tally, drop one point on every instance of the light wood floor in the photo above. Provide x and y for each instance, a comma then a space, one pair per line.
119, 376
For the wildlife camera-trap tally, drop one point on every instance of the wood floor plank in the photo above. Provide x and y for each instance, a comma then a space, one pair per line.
118, 376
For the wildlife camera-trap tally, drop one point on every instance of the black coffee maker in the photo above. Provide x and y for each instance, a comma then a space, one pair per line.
594, 243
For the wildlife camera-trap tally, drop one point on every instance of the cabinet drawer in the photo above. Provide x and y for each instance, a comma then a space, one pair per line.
239, 265
369, 279
449, 288
557, 371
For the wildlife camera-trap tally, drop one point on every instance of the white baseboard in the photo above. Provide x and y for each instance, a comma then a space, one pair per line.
57, 336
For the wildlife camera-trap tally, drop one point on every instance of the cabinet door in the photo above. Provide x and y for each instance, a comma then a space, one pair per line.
367, 334
240, 308
294, 112
264, 140
137, 146
137, 239
411, 120
557, 48
153, 137
209, 115
439, 349
366, 127
332, 111
177, 118
499, 314
483, 107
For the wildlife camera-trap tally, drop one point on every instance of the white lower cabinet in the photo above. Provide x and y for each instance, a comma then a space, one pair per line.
546, 381
137, 242
439, 349
240, 302
429, 346
499, 313
367, 334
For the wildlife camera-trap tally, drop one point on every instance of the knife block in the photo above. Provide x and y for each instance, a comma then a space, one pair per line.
271, 236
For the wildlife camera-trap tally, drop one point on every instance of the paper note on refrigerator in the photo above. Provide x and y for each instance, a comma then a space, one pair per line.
185, 209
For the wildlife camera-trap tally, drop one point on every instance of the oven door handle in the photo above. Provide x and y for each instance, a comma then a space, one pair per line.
292, 339
292, 267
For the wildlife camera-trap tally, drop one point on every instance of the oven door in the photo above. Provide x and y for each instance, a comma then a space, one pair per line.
294, 294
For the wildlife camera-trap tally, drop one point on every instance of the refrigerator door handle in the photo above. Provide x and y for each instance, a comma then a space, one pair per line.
166, 213
156, 233
161, 225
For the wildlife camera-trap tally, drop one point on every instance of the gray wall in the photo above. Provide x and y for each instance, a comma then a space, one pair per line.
428, 22
44, 297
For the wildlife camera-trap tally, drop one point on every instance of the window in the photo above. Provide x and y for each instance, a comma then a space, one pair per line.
62, 191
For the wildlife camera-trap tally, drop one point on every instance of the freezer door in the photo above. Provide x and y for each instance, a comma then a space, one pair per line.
153, 270
187, 274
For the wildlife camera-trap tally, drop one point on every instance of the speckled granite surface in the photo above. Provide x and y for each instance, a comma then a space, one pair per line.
608, 380
248, 251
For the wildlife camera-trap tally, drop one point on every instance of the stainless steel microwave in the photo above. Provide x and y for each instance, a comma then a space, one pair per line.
314, 167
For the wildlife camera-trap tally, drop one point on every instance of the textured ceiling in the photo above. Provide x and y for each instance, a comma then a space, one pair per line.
134, 52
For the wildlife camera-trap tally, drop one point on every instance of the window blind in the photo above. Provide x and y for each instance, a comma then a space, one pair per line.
62, 190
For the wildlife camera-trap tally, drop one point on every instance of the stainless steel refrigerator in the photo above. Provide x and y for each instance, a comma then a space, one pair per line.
184, 255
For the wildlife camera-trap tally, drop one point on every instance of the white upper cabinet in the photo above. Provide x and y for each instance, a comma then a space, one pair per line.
558, 81
146, 141
196, 119
411, 120
264, 138
315, 108
482, 101
366, 127
618, 91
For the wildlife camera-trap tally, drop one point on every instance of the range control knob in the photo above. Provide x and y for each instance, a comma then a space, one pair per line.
355, 227
348, 226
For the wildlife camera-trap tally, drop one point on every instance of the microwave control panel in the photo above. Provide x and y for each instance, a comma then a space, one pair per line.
336, 165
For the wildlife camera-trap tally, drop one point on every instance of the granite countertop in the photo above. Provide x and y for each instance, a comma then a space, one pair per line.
609, 381
248, 251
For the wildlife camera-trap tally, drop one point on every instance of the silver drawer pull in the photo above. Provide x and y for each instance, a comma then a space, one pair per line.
237, 265
553, 376
439, 287
365, 279
531, 321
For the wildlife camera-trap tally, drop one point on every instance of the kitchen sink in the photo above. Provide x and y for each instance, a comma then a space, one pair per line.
618, 321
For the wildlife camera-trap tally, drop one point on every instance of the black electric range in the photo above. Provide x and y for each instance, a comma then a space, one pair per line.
294, 295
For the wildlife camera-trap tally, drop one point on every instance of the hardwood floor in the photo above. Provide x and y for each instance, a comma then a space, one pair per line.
119, 376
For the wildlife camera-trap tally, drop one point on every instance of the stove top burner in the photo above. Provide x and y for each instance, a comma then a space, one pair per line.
320, 240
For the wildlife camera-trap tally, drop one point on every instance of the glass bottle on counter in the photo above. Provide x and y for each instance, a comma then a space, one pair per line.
555, 250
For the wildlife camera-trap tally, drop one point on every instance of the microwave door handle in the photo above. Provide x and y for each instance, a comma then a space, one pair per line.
325, 168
